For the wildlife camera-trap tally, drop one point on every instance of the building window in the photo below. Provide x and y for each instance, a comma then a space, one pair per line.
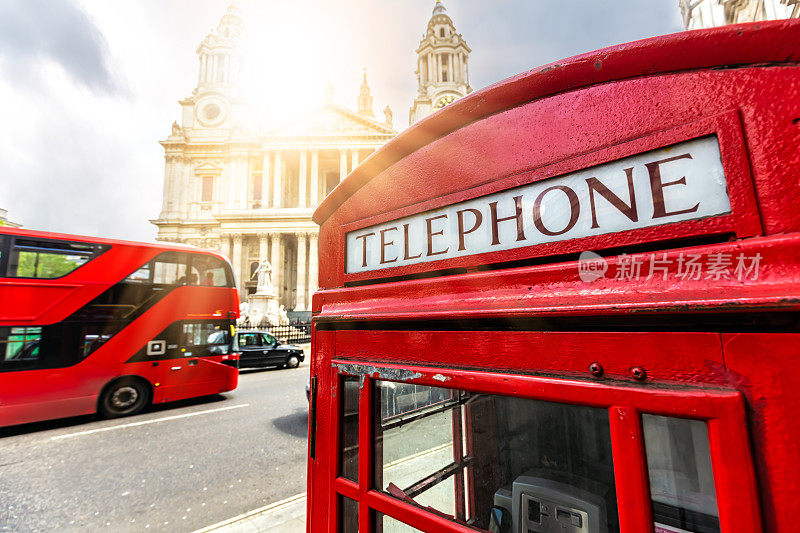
441, 32
207, 193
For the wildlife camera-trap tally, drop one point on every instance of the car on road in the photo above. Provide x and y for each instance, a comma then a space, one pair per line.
260, 349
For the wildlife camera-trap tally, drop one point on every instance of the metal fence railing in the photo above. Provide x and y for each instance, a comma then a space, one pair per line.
299, 333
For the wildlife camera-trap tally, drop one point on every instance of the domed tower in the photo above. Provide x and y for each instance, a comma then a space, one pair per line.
206, 151
442, 65
216, 105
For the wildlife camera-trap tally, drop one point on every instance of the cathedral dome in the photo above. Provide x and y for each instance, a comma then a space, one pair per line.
439, 8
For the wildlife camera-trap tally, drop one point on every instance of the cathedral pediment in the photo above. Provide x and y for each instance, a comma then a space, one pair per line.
331, 120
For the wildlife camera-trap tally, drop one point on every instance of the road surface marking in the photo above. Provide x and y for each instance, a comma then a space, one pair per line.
142, 423
297, 499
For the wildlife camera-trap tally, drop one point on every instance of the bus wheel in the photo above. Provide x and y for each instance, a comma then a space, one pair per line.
292, 362
124, 397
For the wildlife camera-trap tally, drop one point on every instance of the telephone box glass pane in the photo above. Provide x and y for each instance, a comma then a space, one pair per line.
387, 524
349, 427
348, 515
681, 478
544, 466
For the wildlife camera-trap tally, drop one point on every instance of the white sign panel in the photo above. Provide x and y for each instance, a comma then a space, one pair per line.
681, 182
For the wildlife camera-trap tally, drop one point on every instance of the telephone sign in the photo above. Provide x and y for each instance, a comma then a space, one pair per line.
684, 181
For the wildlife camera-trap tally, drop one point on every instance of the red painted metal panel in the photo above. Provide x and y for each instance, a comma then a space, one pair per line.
557, 290
322, 468
763, 367
365, 453
742, 222
523, 323
676, 357
630, 466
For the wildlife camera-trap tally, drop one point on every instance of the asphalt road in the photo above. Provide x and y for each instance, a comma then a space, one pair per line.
179, 467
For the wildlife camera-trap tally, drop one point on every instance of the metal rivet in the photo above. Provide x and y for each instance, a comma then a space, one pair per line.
596, 369
638, 373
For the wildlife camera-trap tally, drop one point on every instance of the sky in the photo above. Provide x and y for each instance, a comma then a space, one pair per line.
89, 87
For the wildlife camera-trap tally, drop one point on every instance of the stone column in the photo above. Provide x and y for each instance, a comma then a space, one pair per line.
301, 273
275, 239
353, 159
277, 181
313, 265
430, 67
314, 178
265, 182
225, 244
263, 246
237, 264
185, 183
303, 179
342, 164
450, 67
169, 177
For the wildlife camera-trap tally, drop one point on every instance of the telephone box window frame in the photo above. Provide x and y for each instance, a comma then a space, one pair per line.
721, 408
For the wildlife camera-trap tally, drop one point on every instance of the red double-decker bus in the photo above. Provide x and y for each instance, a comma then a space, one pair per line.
97, 325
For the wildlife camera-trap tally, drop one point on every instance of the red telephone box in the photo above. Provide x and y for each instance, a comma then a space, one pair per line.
569, 302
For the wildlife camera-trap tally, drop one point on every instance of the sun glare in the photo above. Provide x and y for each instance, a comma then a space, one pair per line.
292, 56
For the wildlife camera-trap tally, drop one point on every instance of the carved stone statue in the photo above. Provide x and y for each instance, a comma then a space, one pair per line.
264, 273
388, 114
283, 318
244, 313
176, 130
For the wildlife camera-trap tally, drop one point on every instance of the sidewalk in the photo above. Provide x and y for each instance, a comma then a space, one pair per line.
285, 516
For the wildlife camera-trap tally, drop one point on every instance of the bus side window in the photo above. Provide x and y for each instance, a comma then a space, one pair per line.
210, 271
47, 259
142, 275
211, 338
19, 346
170, 269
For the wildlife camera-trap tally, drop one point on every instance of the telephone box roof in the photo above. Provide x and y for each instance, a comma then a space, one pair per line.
772, 42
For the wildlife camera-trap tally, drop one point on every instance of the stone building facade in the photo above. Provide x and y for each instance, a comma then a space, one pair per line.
442, 66
233, 186
709, 13
250, 193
